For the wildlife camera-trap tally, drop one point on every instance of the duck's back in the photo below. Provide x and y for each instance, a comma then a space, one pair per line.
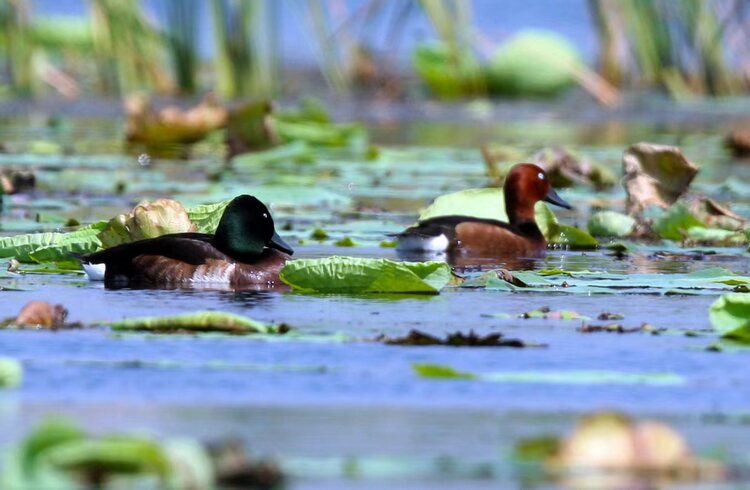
473, 235
183, 259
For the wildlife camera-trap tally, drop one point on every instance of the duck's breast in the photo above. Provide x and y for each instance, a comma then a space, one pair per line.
261, 272
489, 239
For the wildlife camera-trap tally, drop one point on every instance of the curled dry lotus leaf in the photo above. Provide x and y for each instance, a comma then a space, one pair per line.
565, 169
602, 440
610, 441
716, 215
41, 314
147, 220
661, 448
172, 124
655, 175
738, 142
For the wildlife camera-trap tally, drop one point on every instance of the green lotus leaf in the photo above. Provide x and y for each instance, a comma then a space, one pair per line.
536, 63
611, 224
11, 372
51, 246
676, 221
448, 75
730, 316
199, 321
360, 275
206, 217
147, 220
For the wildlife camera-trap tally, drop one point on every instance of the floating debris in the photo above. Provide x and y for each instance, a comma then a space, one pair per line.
456, 339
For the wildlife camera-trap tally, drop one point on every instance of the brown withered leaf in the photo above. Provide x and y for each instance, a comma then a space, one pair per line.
716, 215
456, 339
655, 175
235, 469
40, 314
249, 127
565, 169
738, 142
618, 328
172, 124
13, 181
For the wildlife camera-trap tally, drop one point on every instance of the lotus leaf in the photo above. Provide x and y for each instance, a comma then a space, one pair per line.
447, 74
730, 316
51, 246
675, 223
655, 175
200, 321
206, 217
360, 275
535, 63
11, 372
147, 220
611, 224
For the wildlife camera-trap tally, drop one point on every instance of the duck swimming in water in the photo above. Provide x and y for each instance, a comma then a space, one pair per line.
244, 251
525, 185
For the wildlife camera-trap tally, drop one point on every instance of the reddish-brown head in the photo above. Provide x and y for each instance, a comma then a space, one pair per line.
526, 184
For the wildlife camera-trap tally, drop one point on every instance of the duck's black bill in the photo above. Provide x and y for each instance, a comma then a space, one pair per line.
553, 198
279, 244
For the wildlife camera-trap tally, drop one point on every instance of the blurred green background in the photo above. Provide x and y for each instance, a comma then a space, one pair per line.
393, 49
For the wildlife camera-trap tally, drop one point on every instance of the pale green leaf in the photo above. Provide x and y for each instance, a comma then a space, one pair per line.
611, 224
200, 321
360, 275
730, 316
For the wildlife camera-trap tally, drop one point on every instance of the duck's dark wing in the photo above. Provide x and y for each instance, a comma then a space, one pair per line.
446, 225
191, 248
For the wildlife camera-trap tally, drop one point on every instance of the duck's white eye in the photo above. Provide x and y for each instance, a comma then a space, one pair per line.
541, 175
265, 215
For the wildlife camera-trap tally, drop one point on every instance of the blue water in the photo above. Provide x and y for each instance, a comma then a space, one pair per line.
313, 401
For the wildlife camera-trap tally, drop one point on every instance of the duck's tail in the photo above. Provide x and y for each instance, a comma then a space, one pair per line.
95, 272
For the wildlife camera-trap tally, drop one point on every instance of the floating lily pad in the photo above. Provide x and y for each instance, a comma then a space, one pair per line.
49, 247
439, 371
296, 151
11, 372
611, 224
730, 316
200, 321
676, 221
359, 275
575, 377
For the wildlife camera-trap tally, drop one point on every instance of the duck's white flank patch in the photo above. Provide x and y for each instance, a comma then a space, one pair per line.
205, 274
95, 272
423, 243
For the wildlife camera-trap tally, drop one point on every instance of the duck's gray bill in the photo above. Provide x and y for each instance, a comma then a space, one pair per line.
553, 198
279, 244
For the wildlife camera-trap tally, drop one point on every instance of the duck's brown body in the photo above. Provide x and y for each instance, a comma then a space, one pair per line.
185, 259
469, 236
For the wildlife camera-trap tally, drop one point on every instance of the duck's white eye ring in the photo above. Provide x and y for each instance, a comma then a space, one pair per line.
540, 175
265, 215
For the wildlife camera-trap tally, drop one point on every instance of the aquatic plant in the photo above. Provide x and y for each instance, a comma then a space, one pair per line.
685, 47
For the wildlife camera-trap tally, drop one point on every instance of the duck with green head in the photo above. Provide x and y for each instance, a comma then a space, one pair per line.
244, 251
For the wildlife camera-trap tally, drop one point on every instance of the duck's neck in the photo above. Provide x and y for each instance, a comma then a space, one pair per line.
522, 218
242, 250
